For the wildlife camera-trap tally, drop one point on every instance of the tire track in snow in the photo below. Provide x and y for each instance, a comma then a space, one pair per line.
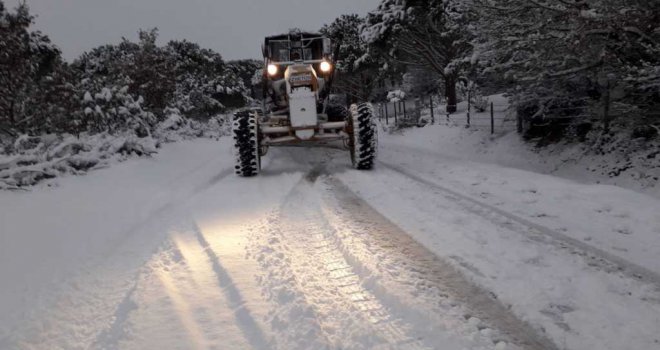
593, 256
432, 273
166, 210
351, 308
89, 308
246, 322
293, 318
351, 312
186, 299
109, 338
172, 273
368, 236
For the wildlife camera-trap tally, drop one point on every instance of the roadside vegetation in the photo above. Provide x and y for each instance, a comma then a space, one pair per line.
573, 71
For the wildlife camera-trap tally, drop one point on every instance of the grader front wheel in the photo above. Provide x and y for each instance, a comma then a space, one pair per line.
245, 130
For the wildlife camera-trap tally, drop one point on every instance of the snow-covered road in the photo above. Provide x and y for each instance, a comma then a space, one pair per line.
175, 252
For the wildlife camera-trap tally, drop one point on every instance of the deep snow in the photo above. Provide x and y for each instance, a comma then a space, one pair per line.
622, 161
175, 251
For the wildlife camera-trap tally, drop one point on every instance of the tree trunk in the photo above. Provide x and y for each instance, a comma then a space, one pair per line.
606, 109
450, 93
12, 114
365, 89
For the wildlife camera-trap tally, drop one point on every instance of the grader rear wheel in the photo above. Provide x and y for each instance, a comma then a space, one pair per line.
364, 136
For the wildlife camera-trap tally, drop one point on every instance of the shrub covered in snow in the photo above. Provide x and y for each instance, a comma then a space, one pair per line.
31, 159
176, 127
113, 110
36, 158
396, 96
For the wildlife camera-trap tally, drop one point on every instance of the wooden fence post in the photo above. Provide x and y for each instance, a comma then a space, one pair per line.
432, 116
468, 109
606, 108
396, 121
492, 119
387, 115
405, 115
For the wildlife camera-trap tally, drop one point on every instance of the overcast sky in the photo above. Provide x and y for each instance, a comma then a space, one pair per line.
235, 28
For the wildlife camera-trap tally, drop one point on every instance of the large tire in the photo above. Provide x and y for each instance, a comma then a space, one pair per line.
364, 136
246, 144
336, 112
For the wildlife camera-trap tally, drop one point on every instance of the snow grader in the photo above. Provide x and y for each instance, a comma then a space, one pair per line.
297, 107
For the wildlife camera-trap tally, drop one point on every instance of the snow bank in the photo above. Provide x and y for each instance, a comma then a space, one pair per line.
624, 160
36, 158
32, 159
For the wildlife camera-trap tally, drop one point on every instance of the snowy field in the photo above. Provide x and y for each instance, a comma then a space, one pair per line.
434, 249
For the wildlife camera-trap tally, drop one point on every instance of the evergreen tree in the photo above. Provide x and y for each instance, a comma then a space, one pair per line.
589, 58
359, 69
26, 61
152, 72
245, 70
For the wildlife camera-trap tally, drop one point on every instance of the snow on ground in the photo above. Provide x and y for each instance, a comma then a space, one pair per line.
49, 235
554, 287
630, 164
429, 251
617, 220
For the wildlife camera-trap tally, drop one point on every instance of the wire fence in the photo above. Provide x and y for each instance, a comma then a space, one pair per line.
495, 116
404, 113
499, 116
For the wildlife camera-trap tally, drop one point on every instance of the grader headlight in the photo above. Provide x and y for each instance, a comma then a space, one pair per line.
272, 69
325, 66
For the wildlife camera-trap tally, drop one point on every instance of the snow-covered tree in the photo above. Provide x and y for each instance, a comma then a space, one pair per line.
180, 75
245, 70
205, 84
27, 59
152, 72
435, 34
575, 57
127, 86
196, 71
53, 107
359, 70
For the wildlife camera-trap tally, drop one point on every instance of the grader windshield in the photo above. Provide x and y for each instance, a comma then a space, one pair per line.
297, 47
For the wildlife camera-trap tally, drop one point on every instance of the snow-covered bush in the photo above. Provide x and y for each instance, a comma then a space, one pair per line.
175, 127
115, 110
480, 103
32, 159
205, 84
396, 96
36, 158
470, 89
